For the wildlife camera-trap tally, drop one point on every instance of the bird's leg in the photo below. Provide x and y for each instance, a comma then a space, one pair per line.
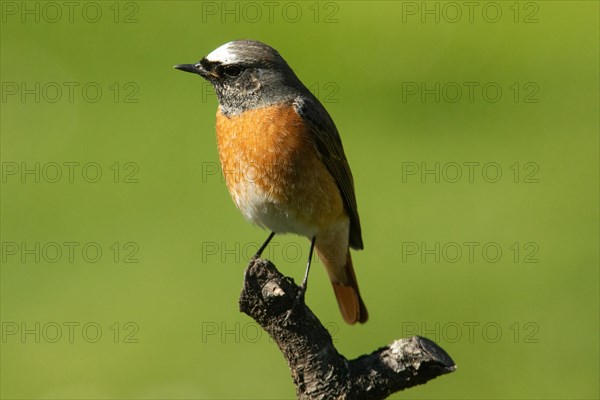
263, 247
302, 291
304, 284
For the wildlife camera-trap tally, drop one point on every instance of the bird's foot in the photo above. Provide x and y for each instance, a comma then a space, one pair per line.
298, 301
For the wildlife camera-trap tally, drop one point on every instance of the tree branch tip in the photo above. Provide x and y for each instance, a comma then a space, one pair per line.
318, 370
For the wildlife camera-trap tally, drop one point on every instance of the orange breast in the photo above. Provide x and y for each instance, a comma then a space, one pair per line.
273, 171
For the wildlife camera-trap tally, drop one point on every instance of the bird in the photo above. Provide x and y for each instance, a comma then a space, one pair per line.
283, 160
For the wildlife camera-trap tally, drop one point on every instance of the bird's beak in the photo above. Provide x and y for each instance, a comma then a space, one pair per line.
194, 68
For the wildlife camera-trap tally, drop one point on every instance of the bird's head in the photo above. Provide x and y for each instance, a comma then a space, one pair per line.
246, 74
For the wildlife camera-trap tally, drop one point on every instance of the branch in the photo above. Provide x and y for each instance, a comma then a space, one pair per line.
318, 370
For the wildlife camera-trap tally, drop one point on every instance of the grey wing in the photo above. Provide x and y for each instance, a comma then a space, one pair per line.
330, 150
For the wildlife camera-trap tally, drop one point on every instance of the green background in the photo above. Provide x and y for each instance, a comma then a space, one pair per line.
534, 324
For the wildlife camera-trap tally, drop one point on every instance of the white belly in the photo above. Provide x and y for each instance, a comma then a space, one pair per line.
264, 210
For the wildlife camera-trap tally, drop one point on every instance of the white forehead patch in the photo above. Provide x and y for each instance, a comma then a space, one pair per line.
223, 54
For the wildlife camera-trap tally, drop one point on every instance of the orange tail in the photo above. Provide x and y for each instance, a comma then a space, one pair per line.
348, 296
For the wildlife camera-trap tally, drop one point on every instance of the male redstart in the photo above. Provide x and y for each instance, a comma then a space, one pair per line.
291, 173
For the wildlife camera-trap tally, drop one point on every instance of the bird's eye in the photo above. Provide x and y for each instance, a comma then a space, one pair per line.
232, 70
